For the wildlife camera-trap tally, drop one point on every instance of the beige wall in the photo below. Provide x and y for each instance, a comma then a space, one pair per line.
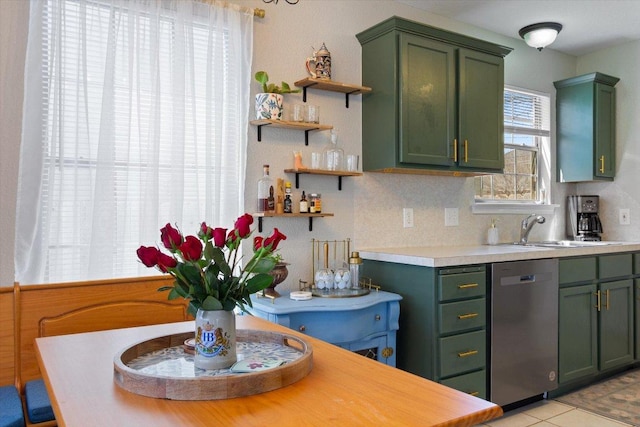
368, 210
622, 61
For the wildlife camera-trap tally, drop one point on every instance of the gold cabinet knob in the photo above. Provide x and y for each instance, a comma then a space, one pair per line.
387, 352
302, 328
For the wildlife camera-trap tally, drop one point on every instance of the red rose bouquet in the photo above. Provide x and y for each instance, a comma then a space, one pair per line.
207, 268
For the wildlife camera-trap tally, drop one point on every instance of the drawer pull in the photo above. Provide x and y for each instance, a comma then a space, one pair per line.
468, 285
467, 353
302, 328
378, 317
474, 393
467, 316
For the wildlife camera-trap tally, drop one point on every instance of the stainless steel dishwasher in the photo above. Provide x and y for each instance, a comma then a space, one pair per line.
524, 330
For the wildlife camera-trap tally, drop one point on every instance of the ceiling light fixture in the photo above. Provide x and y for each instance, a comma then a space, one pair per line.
540, 35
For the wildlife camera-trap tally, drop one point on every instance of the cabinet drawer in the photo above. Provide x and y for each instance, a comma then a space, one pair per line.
462, 353
573, 270
618, 265
462, 315
341, 326
636, 264
462, 285
474, 383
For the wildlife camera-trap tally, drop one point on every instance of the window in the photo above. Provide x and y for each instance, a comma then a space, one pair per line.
526, 142
135, 116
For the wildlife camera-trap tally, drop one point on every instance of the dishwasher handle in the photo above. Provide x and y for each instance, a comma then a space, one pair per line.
525, 279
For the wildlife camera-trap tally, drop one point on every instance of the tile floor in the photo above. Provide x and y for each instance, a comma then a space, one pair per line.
551, 413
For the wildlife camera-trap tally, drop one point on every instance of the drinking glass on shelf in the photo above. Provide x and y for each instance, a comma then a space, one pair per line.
298, 113
313, 114
352, 162
316, 160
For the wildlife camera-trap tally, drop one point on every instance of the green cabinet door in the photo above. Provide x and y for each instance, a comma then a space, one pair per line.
585, 128
480, 111
637, 315
616, 324
427, 101
604, 132
578, 333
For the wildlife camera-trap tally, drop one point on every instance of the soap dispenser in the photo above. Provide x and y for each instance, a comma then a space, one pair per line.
492, 234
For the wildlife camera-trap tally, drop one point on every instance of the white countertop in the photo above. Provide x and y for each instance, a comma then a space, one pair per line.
445, 256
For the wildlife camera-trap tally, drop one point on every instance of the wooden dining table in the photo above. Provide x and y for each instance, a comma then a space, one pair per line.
342, 389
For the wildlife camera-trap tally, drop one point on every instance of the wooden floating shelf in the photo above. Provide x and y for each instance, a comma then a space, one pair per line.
261, 215
304, 126
331, 86
339, 174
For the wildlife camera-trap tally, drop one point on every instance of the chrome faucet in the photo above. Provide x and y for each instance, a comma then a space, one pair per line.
526, 227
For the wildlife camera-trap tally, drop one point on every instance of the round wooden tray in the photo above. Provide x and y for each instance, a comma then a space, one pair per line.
212, 385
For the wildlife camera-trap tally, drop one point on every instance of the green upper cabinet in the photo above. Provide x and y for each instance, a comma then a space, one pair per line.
585, 139
437, 102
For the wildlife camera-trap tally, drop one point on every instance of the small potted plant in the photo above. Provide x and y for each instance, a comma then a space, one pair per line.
269, 101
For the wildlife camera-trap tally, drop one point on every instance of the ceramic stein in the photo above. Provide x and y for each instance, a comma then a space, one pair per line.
319, 65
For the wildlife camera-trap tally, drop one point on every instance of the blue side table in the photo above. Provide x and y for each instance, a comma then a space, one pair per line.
366, 324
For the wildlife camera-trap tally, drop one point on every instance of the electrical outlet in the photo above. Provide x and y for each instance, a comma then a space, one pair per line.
407, 217
625, 217
450, 217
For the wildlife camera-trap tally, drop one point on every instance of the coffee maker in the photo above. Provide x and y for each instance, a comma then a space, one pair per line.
582, 221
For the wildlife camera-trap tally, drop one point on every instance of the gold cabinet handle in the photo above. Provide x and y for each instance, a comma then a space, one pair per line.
455, 150
302, 328
467, 353
601, 164
468, 285
474, 393
606, 304
467, 316
597, 306
466, 157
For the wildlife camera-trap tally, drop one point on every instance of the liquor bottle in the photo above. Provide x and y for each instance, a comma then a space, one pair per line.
287, 198
304, 206
264, 185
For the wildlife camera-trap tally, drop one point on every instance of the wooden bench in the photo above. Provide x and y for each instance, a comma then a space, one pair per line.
67, 308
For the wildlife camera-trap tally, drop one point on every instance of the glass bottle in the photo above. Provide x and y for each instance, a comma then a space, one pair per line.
265, 184
333, 156
287, 198
354, 268
304, 206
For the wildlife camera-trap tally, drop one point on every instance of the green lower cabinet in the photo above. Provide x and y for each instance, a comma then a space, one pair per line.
578, 333
596, 328
616, 331
443, 318
474, 383
462, 353
637, 300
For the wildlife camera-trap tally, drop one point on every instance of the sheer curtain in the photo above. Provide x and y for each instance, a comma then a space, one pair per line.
135, 116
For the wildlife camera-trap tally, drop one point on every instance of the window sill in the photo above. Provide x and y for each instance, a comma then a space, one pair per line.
512, 208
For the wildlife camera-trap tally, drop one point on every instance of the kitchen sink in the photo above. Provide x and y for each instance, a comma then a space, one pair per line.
566, 244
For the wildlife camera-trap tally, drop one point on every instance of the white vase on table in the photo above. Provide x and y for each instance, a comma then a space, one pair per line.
215, 339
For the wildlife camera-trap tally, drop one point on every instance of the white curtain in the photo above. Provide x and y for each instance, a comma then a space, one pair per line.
135, 116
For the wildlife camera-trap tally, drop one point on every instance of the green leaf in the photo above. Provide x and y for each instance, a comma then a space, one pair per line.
211, 303
264, 265
174, 294
208, 251
258, 283
218, 257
